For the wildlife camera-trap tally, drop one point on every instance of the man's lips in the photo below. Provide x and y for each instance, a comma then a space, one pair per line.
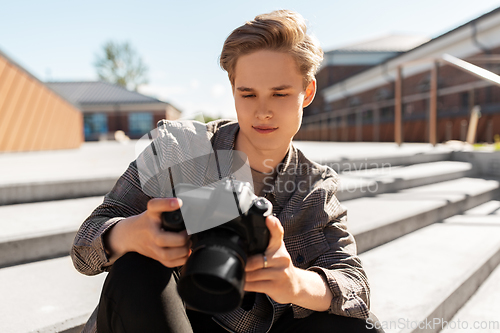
264, 129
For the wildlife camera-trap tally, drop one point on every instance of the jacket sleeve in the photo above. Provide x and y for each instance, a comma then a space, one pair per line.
338, 265
124, 200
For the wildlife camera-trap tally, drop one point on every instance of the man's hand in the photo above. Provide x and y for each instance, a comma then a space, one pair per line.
282, 281
143, 234
279, 280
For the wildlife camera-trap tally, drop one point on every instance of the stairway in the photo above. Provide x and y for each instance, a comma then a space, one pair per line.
427, 229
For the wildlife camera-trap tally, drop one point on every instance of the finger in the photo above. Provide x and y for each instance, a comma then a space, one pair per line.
174, 263
159, 205
258, 286
276, 231
255, 262
171, 253
171, 239
261, 275
276, 260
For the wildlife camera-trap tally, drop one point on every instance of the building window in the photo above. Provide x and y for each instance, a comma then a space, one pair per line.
368, 117
355, 101
383, 94
95, 125
351, 119
140, 123
464, 99
387, 113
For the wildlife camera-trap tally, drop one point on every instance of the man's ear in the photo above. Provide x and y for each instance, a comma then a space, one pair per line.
310, 93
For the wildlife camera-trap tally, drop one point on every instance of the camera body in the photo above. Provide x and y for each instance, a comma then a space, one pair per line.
213, 277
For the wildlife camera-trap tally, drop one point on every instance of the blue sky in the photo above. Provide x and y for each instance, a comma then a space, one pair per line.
180, 41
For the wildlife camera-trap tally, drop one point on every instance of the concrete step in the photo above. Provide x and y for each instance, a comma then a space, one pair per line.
37, 231
63, 174
39, 191
424, 278
387, 178
481, 312
94, 168
380, 219
46, 296
47, 229
348, 156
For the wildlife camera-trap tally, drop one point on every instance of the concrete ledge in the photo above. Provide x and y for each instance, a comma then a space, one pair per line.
487, 163
481, 308
457, 298
349, 156
430, 273
55, 190
47, 296
377, 162
371, 182
378, 220
37, 231
72, 325
24, 250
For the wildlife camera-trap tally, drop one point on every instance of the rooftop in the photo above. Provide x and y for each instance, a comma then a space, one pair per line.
98, 92
388, 43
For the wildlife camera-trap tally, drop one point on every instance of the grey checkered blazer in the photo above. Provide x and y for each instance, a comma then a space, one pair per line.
304, 200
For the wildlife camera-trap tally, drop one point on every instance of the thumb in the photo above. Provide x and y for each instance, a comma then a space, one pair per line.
276, 231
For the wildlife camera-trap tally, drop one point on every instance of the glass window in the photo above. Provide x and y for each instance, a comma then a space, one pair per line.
140, 123
368, 117
95, 124
351, 119
387, 113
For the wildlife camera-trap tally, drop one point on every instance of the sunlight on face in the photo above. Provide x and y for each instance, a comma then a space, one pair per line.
269, 97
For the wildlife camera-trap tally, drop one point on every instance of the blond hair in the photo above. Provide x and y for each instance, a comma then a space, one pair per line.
281, 31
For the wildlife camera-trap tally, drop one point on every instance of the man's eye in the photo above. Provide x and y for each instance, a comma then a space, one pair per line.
280, 95
247, 96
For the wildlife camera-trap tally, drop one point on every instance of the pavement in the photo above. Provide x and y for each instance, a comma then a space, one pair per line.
111, 158
411, 208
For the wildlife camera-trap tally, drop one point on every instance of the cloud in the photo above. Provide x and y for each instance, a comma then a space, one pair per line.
162, 92
218, 90
194, 83
158, 75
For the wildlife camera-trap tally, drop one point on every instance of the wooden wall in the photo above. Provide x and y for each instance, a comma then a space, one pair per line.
33, 117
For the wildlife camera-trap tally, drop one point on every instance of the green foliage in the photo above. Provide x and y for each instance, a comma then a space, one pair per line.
487, 147
120, 63
204, 118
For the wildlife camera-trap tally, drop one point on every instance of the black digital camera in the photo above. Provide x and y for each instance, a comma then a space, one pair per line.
212, 280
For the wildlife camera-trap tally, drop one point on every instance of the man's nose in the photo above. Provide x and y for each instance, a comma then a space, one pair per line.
263, 111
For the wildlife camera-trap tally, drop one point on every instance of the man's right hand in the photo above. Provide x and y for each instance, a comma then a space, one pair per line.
143, 234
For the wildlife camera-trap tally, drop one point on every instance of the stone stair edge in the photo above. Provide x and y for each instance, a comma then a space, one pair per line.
370, 237
456, 293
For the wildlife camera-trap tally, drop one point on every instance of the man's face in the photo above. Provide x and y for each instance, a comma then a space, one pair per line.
269, 97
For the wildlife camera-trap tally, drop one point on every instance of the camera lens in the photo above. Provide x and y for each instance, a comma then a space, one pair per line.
176, 217
212, 284
172, 221
212, 280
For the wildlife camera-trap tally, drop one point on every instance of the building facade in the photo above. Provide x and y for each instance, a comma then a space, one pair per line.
33, 116
108, 108
362, 107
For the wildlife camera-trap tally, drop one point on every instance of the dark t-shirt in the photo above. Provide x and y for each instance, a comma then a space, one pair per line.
262, 182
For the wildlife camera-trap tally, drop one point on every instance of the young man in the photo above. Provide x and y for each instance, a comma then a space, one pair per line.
308, 279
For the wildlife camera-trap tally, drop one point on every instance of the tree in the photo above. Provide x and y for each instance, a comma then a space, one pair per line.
120, 63
205, 118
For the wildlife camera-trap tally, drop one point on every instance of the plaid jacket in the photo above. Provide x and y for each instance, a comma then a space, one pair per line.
304, 200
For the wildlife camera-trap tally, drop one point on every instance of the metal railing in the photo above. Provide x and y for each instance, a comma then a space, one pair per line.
445, 59
487, 78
